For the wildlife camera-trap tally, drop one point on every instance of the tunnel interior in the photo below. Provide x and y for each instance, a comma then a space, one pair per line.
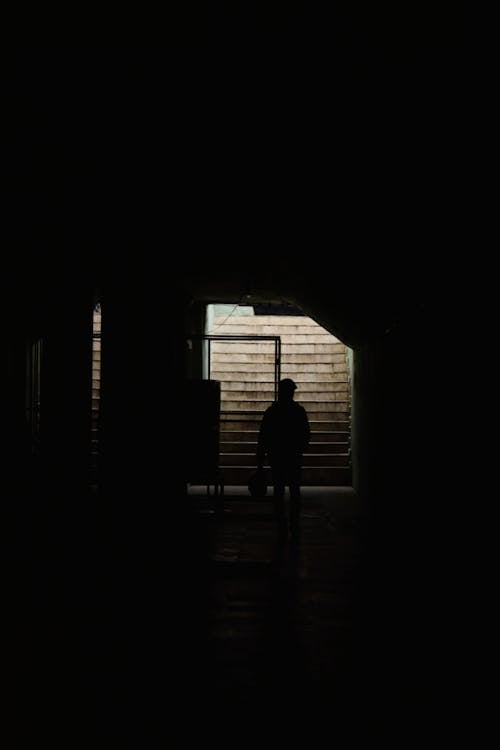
140, 543
133, 199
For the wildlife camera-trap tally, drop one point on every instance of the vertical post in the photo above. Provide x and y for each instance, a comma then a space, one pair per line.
277, 372
66, 387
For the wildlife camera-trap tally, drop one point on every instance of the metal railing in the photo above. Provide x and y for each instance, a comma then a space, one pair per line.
239, 415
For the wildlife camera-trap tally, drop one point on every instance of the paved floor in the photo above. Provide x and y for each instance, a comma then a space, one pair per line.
284, 614
318, 639
215, 630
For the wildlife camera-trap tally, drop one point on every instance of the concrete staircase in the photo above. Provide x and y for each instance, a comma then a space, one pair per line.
96, 393
316, 360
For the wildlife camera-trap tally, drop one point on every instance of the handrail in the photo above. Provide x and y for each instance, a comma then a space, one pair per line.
209, 338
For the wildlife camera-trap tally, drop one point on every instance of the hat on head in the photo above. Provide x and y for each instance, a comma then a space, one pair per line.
287, 384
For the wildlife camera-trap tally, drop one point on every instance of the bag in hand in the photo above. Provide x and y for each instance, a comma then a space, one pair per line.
257, 485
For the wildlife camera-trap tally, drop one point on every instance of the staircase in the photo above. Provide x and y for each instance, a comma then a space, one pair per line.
317, 362
96, 393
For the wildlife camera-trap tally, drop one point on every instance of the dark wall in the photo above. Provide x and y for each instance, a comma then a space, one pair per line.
407, 388
149, 170
143, 369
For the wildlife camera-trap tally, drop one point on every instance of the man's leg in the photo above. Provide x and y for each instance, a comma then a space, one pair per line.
295, 502
279, 499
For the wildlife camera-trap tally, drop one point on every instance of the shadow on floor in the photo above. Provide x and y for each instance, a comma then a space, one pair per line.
214, 624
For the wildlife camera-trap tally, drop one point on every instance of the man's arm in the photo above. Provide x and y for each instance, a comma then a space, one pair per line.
262, 442
306, 430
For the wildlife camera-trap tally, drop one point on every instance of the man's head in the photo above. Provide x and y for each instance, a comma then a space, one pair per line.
286, 388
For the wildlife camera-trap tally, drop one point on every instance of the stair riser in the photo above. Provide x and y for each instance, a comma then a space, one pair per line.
248, 459
250, 436
235, 350
262, 320
245, 447
252, 390
292, 364
298, 371
329, 411
331, 476
320, 426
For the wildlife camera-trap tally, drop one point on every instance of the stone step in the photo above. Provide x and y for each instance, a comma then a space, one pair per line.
266, 327
287, 336
248, 376
296, 370
307, 391
310, 459
243, 446
326, 406
276, 322
266, 360
250, 435
241, 424
305, 337
267, 347
312, 475
321, 421
267, 357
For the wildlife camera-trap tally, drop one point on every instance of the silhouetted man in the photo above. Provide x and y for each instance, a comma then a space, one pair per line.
283, 437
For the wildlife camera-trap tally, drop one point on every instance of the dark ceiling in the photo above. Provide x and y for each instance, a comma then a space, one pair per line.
274, 154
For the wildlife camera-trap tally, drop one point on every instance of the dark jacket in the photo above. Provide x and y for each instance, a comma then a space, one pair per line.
284, 433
